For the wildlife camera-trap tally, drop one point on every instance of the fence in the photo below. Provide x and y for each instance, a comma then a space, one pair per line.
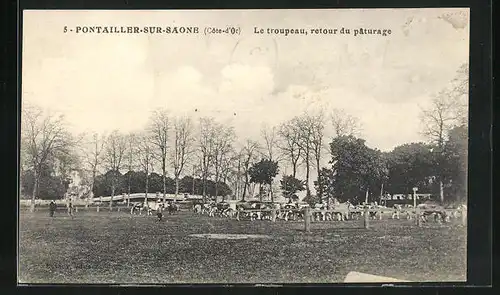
95, 207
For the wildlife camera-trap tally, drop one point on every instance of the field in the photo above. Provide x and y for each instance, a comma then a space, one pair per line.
116, 247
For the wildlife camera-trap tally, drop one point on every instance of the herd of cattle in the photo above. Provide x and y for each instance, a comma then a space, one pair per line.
324, 212
255, 210
148, 208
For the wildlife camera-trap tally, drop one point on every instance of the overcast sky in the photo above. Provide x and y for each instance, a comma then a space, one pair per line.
103, 82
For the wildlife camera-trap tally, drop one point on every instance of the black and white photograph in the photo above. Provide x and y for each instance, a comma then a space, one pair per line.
243, 146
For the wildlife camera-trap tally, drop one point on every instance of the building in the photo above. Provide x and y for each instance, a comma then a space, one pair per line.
391, 199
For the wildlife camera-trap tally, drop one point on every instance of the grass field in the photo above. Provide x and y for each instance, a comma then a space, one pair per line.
118, 248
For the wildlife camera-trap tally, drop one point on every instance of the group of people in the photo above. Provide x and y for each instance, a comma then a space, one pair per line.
53, 208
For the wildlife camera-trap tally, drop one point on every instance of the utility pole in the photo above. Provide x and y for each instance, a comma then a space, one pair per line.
417, 213
415, 189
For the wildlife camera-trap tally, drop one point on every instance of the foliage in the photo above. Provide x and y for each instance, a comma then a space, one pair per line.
455, 172
263, 171
138, 183
356, 169
411, 165
50, 186
291, 185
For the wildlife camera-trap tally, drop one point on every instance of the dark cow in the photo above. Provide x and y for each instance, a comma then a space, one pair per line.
432, 209
172, 208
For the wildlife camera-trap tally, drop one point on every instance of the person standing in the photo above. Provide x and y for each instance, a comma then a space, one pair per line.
70, 209
159, 212
52, 208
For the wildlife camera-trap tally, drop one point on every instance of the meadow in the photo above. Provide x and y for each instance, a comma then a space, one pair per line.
116, 247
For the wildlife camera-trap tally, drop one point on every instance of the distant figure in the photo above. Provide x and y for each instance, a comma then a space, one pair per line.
70, 209
159, 212
52, 208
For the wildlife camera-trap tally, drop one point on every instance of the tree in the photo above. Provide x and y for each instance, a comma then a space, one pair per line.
65, 164
223, 145
460, 90
159, 127
263, 172
94, 156
304, 126
411, 165
114, 155
49, 186
270, 136
455, 170
289, 144
231, 172
44, 138
356, 169
291, 185
206, 148
131, 158
249, 152
325, 185
344, 124
145, 151
182, 148
238, 172
447, 110
317, 133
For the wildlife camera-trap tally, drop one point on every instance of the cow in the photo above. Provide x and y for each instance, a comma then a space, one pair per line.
137, 208
197, 208
432, 209
323, 215
341, 210
399, 210
290, 211
172, 208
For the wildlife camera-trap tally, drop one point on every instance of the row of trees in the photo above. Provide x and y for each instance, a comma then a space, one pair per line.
358, 172
174, 148
135, 182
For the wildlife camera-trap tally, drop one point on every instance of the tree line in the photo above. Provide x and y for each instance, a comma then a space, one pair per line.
170, 151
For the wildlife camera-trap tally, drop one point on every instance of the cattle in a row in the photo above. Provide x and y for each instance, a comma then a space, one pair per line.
149, 208
255, 210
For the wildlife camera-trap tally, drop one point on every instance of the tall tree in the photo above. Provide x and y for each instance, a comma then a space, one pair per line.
447, 110
263, 172
249, 151
454, 170
290, 144
230, 171
317, 134
206, 149
270, 137
132, 142
94, 156
304, 126
344, 124
410, 165
159, 129
114, 155
356, 169
183, 141
145, 152
44, 138
291, 185
223, 144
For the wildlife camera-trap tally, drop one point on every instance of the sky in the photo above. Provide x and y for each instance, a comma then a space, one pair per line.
102, 82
